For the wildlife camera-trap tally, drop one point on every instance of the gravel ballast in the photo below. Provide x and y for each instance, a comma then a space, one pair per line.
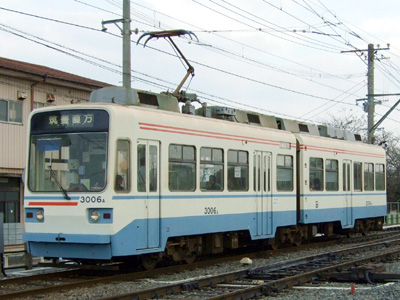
325, 291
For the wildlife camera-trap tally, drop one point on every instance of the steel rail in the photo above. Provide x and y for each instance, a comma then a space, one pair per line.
267, 286
229, 277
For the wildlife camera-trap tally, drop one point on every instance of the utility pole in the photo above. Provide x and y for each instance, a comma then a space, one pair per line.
369, 106
126, 41
126, 48
371, 101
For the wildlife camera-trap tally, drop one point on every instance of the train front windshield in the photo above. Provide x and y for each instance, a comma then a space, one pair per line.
68, 151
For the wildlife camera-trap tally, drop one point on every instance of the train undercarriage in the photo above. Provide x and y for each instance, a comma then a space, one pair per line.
187, 249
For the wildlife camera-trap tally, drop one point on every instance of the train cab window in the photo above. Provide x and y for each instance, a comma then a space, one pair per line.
331, 174
284, 171
122, 176
368, 177
238, 170
211, 169
316, 174
182, 168
380, 177
357, 176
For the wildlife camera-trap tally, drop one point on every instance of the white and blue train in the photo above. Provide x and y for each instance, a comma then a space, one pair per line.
136, 178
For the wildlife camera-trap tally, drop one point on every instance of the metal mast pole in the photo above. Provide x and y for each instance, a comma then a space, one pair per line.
371, 100
126, 45
369, 106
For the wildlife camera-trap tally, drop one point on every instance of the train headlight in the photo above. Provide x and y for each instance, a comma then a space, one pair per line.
95, 215
40, 215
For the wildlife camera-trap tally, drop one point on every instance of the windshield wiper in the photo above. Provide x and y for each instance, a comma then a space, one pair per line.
64, 191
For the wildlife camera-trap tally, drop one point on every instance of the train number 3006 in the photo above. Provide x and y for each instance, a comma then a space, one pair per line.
92, 199
210, 211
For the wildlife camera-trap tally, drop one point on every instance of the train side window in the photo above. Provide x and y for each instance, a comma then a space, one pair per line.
141, 168
211, 169
284, 172
380, 177
153, 167
238, 170
346, 176
331, 174
182, 168
369, 177
316, 174
122, 176
357, 176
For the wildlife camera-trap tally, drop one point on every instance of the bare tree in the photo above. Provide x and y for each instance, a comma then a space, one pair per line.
347, 119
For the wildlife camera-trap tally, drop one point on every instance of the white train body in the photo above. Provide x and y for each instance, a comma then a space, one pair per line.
341, 199
167, 162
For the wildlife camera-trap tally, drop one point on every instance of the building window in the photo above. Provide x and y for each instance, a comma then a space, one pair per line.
357, 176
182, 168
284, 172
9, 199
369, 177
39, 105
238, 170
211, 169
10, 111
380, 177
316, 174
331, 171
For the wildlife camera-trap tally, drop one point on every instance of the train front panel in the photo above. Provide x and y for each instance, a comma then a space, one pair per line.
68, 210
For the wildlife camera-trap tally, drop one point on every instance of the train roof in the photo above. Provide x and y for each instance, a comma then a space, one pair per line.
168, 102
322, 144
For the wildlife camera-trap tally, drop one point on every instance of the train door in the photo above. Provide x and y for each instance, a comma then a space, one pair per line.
347, 192
262, 187
148, 184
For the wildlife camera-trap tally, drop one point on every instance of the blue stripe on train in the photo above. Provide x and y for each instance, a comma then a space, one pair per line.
135, 239
346, 216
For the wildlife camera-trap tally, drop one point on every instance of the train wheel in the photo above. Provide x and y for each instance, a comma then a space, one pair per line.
189, 259
149, 262
297, 236
297, 240
275, 244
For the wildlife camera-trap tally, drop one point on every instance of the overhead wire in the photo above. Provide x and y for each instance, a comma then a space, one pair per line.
251, 26
340, 101
294, 34
351, 32
49, 19
303, 78
203, 64
327, 103
308, 67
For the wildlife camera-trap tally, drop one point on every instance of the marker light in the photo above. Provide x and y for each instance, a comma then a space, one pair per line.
95, 215
40, 215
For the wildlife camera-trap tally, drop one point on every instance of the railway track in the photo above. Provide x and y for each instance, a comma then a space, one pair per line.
248, 281
256, 282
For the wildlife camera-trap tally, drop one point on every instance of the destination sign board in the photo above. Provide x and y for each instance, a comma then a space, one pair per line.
70, 121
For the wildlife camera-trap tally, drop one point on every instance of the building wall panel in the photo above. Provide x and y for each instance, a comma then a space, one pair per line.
35, 83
